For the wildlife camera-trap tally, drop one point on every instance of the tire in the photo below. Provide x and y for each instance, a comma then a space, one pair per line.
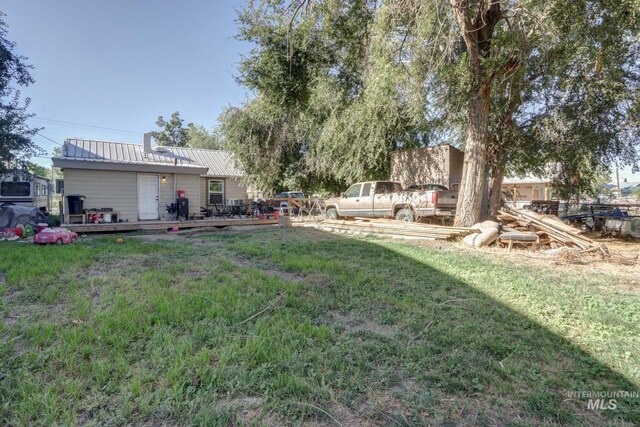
58, 242
331, 214
405, 215
74, 239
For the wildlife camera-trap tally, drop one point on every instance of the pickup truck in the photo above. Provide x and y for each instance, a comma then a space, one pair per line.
387, 199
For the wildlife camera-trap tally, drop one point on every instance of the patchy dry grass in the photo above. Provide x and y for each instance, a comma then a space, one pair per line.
294, 326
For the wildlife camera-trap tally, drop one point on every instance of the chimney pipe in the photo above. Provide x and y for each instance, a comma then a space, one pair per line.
146, 142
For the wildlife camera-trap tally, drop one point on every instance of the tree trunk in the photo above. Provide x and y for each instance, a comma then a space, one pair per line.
476, 23
472, 183
495, 186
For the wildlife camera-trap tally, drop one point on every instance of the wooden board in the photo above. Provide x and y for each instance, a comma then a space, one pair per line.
164, 225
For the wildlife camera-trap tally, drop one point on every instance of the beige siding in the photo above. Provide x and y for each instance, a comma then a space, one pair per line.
167, 195
421, 166
233, 189
191, 185
105, 189
456, 163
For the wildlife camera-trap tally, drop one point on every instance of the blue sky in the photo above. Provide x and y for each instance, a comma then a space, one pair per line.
120, 63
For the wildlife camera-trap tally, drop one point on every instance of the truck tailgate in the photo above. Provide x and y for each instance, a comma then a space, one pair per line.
447, 199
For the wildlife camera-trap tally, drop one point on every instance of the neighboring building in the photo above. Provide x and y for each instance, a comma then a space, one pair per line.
524, 190
440, 164
138, 181
27, 189
443, 164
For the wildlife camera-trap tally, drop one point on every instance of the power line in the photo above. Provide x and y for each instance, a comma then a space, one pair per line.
46, 137
69, 124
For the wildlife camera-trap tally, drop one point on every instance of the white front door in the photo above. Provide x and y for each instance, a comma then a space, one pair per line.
148, 196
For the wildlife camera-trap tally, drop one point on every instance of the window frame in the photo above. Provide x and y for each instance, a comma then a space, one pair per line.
29, 184
210, 193
359, 185
370, 184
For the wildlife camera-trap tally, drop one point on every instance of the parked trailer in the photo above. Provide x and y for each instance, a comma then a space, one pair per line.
26, 189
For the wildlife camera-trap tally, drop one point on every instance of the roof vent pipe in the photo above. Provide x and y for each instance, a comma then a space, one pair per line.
146, 142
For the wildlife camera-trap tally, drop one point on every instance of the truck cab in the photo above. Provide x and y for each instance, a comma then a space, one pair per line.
387, 199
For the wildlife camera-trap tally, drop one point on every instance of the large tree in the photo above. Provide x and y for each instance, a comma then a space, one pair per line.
340, 84
173, 133
16, 145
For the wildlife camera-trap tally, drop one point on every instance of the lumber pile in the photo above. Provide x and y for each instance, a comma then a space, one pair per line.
551, 231
394, 229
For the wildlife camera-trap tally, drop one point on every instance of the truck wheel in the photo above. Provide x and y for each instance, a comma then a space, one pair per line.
405, 215
331, 214
58, 242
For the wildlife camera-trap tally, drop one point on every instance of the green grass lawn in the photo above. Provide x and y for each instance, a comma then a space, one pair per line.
296, 327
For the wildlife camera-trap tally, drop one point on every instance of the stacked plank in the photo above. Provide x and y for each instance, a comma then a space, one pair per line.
551, 230
394, 228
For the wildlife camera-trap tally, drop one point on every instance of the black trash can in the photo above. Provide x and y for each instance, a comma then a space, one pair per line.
75, 203
182, 208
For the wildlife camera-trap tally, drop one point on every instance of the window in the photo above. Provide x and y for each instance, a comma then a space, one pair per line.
353, 191
455, 187
366, 189
387, 187
216, 191
536, 194
15, 189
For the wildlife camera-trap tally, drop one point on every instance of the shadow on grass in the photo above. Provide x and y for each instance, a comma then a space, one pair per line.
421, 345
288, 326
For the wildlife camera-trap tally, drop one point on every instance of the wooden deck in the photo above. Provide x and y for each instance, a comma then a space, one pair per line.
165, 225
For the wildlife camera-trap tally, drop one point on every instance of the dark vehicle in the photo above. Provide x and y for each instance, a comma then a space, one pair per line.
427, 187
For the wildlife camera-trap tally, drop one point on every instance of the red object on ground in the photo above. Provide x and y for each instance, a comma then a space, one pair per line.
57, 236
182, 194
9, 233
18, 230
276, 214
260, 216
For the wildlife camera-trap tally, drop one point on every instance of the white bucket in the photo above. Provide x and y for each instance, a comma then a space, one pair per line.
106, 217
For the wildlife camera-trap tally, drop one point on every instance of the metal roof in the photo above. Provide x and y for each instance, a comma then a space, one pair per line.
218, 162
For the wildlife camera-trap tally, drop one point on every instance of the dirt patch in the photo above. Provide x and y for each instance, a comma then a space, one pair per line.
356, 325
335, 414
12, 317
247, 409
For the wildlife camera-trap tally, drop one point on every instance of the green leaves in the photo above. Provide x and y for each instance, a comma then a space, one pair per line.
16, 146
173, 134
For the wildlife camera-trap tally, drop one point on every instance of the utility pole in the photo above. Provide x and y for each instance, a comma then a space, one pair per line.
619, 194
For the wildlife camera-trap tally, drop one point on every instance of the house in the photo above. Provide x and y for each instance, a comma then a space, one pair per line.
440, 164
27, 189
137, 182
526, 189
443, 164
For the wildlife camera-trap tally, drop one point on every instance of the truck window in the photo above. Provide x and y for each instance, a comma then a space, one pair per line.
353, 191
15, 189
387, 187
366, 189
